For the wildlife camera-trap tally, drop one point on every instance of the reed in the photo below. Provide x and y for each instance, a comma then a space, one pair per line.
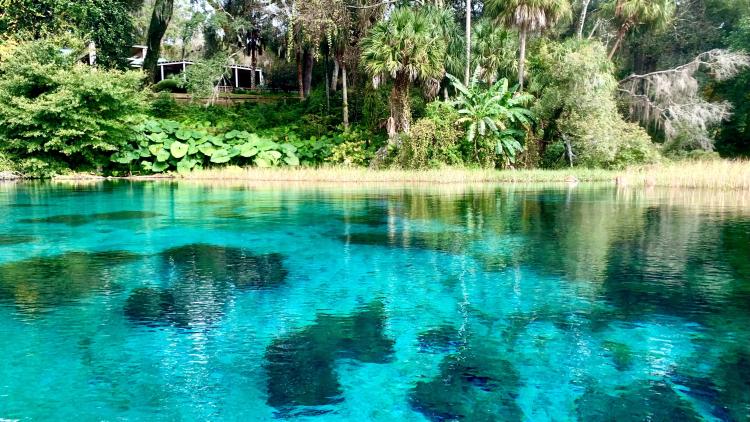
718, 174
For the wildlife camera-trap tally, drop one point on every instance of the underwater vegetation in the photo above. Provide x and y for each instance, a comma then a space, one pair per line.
301, 366
42, 282
15, 239
82, 219
472, 386
641, 401
204, 279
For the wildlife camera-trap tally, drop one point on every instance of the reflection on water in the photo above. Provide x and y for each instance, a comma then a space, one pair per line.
204, 302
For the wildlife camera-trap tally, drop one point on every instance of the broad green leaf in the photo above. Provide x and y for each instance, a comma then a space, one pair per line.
207, 149
155, 148
183, 134
248, 150
157, 137
163, 156
291, 160
185, 165
159, 167
220, 156
178, 149
260, 162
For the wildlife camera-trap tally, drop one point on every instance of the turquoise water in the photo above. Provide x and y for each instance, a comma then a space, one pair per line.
160, 301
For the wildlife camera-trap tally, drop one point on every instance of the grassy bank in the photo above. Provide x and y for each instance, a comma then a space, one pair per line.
718, 174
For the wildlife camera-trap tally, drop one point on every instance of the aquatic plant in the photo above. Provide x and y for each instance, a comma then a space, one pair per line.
301, 366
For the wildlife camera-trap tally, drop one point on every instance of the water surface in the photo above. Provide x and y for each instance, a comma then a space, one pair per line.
178, 301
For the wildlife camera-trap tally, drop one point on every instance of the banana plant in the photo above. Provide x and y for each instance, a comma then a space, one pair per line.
494, 113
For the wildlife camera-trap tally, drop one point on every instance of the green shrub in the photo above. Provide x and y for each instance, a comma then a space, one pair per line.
168, 145
576, 91
169, 85
58, 114
434, 140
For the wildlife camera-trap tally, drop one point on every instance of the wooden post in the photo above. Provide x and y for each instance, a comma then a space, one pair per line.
161, 66
236, 78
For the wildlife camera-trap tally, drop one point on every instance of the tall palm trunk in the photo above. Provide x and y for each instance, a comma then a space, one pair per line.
467, 74
160, 18
400, 107
620, 36
300, 82
308, 61
345, 95
582, 18
522, 58
252, 68
335, 78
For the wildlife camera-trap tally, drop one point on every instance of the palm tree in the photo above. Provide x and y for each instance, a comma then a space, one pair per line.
630, 13
528, 16
494, 51
408, 46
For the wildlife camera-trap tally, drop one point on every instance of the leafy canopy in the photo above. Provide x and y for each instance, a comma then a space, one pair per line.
409, 43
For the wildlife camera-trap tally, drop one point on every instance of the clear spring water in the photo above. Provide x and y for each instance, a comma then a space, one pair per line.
160, 301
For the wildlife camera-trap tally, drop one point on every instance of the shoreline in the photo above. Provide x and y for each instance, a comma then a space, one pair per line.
720, 174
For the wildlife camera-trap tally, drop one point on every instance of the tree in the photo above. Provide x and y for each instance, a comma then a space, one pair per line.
160, 18
631, 13
493, 115
671, 99
106, 23
528, 16
578, 122
494, 52
406, 47
582, 18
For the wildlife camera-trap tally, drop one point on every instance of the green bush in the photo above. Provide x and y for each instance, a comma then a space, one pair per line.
434, 140
576, 92
58, 114
168, 145
169, 85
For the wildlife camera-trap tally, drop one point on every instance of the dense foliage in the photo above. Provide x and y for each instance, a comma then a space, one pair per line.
600, 83
58, 114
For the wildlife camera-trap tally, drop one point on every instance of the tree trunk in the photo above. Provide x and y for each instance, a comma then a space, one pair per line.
400, 107
522, 59
467, 75
345, 95
620, 36
335, 78
252, 66
300, 83
308, 72
582, 18
160, 18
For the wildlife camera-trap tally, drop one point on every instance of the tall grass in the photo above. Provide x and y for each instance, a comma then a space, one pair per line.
719, 174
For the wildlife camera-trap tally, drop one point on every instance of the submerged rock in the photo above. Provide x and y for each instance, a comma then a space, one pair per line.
301, 366
470, 387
